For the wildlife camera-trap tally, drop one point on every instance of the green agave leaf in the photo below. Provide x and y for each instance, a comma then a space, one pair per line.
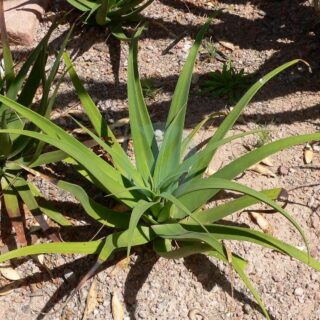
27, 82
94, 209
98, 168
120, 240
50, 103
177, 232
83, 5
163, 217
87, 247
219, 212
34, 79
230, 171
224, 232
120, 159
58, 133
89, 106
219, 183
188, 139
55, 156
189, 162
7, 56
170, 151
18, 83
235, 113
240, 270
102, 12
48, 157
5, 140
141, 236
138, 211
241, 164
48, 209
144, 142
118, 32
44, 105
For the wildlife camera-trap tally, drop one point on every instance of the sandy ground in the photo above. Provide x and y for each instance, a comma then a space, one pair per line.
258, 36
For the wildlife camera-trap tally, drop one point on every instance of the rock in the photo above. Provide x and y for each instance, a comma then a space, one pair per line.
283, 170
298, 292
22, 19
246, 308
315, 221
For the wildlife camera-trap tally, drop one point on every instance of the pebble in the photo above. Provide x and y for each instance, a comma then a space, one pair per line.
298, 292
67, 274
283, 170
247, 308
315, 221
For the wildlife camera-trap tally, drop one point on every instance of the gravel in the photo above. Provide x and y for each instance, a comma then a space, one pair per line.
263, 35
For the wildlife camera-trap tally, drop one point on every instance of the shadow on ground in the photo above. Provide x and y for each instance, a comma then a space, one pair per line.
205, 271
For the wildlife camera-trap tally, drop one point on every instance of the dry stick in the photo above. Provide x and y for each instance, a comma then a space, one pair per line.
86, 277
177, 39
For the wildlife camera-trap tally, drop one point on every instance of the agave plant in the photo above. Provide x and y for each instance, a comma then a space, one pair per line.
228, 83
111, 12
164, 190
19, 150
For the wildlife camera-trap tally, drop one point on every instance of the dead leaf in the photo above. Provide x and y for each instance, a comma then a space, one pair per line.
10, 273
262, 222
308, 154
40, 259
259, 168
227, 45
120, 123
209, 172
121, 265
117, 308
91, 302
267, 162
228, 253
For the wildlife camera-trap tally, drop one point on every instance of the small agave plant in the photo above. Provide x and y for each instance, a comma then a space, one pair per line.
113, 13
228, 83
19, 150
164, 190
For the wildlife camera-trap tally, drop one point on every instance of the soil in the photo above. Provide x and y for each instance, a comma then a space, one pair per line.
258, 36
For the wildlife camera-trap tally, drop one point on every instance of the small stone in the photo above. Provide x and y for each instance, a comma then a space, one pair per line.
283, 170
315, 221
314, 276
276, 278
311, 202
247, 308
67, 274
298, 292
143, 314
